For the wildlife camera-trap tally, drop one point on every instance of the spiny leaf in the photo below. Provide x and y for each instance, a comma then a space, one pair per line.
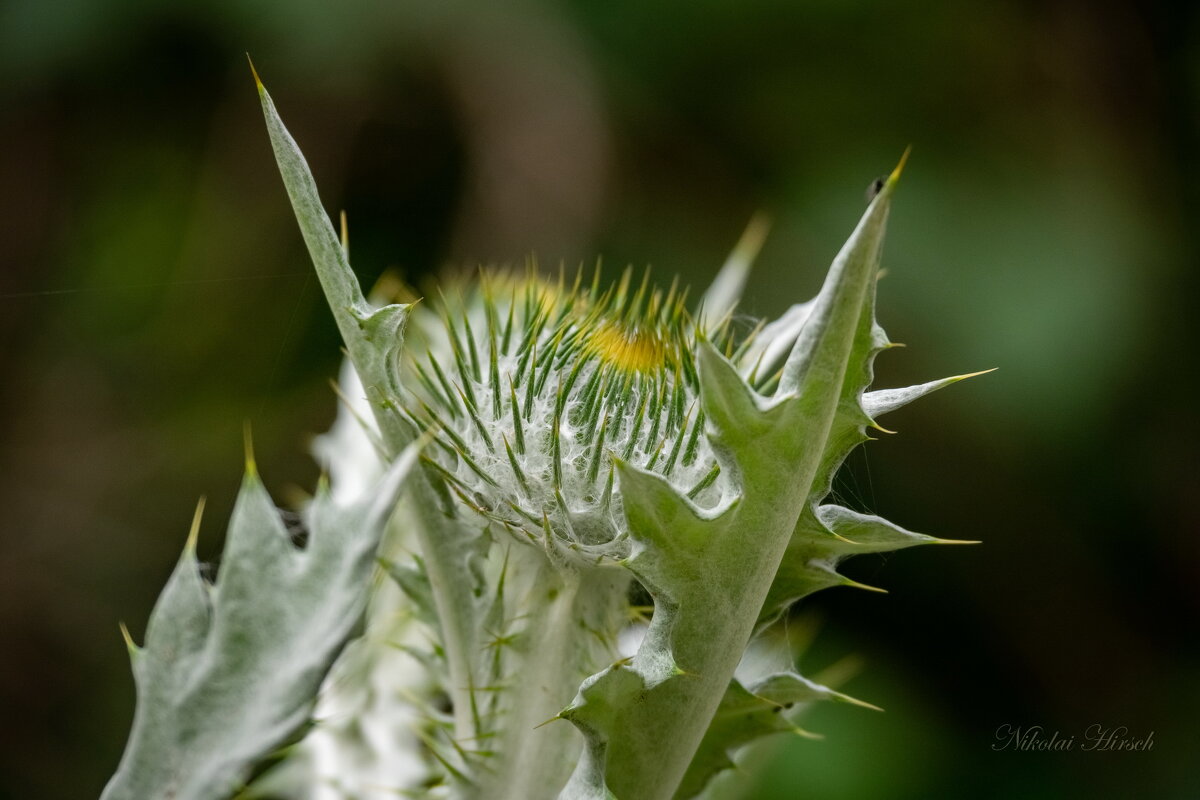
711, 572
372, 336
450, 548
748, 714
229, 672
884, 401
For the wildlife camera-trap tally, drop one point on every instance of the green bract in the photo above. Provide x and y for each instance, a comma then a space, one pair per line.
617, 496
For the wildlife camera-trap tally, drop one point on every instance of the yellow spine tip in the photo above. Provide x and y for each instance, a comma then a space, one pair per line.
975, 374
248, 448
895, 176
133, 648
854, 701
555, 718
257, 82
865, 587
345, 232
194, 531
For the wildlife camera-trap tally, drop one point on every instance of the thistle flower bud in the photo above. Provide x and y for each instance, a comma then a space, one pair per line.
534, 389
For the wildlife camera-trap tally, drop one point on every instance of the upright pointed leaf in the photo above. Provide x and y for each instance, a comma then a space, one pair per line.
373, 339
711, 572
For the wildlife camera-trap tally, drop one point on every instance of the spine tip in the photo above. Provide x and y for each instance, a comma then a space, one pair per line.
257, 81
248, 449
129, 645
895, 176
194, 531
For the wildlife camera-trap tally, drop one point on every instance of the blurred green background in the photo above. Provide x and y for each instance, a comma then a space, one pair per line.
155, 294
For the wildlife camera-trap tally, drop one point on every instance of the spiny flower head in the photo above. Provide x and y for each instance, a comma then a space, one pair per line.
535, 388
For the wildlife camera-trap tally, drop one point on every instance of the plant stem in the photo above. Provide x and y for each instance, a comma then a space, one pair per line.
565, 636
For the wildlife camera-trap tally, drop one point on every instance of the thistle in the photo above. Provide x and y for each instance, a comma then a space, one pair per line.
560, 385
611, 495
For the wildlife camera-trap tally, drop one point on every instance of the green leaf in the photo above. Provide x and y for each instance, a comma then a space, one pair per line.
884, 401
710, 571
746, 715
826, 534
741, 718
786, 689
229, 671
373, 339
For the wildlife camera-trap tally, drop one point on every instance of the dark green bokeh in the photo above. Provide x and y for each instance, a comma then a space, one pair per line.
155, 294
